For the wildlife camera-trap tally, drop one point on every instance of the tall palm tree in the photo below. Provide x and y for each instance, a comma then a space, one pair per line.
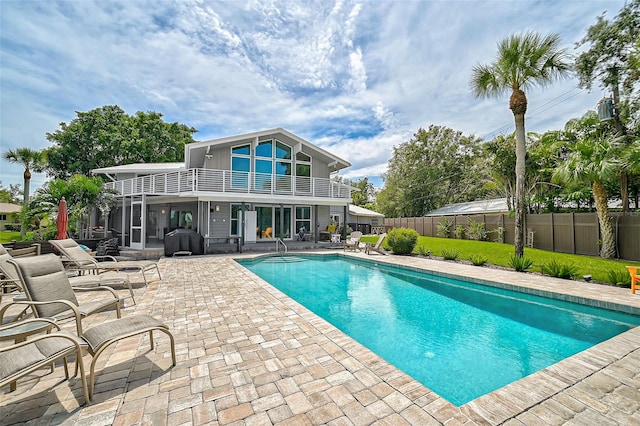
31, 160
522, 62
594, 158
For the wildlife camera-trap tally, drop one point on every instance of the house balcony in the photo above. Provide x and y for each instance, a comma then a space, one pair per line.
208, 182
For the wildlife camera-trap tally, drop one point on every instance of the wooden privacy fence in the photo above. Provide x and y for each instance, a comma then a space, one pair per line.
576, 233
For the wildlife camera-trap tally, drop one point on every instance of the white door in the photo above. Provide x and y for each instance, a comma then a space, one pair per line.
250, 224
137, 225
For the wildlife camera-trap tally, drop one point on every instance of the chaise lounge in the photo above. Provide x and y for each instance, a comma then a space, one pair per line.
11, 279
50, 295
83, 261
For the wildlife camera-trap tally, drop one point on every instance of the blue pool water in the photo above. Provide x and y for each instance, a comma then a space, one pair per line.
461, 340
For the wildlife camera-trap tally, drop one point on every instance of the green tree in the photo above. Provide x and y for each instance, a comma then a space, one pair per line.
522, 62
501, 156
10, 195
366, 192
592, 159
82, 193
612, 58
31, 160
437, 167
107, 136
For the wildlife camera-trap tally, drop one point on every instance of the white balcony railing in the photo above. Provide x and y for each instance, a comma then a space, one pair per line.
227, 181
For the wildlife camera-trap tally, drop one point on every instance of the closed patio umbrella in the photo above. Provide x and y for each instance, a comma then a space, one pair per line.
62, 220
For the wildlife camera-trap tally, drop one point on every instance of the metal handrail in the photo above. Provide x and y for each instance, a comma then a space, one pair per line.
278, 242
230, 182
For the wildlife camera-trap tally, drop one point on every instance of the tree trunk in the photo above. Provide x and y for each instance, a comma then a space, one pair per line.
25, 202
607, 234
521, 152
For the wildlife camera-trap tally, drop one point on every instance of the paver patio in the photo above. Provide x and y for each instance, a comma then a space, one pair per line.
249, 355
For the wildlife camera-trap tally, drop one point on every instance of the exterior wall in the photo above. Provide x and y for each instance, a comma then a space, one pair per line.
221, 159
319, 169
219, 222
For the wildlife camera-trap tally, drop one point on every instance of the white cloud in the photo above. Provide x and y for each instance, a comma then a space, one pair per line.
355, 77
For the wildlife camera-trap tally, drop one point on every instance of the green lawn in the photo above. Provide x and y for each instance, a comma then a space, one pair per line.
8, 236
500, 255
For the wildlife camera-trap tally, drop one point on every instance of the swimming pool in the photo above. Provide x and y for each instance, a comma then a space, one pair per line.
461, 340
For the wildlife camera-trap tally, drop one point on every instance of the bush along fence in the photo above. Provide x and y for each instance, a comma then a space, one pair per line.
576, 233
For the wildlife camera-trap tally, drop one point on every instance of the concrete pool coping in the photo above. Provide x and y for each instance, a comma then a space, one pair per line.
248, 354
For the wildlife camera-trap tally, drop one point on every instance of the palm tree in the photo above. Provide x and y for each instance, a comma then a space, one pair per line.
594, 158
31, 160
522, 62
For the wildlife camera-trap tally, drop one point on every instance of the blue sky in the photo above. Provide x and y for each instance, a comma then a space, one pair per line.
354, 77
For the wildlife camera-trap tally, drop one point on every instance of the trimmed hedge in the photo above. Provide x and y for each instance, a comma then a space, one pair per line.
402, 240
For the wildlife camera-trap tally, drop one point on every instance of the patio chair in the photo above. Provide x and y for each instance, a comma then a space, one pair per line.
353, 241
635, 277
83, 261
24, 357
11, 279
377, 247
50, 295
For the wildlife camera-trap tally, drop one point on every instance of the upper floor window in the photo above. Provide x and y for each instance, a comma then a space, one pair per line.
265, 149
303, 165
240, 166
283, 151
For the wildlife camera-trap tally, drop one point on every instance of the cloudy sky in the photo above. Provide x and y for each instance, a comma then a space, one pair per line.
354, 77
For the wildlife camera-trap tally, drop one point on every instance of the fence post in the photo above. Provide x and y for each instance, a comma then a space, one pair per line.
553, 233
573, 231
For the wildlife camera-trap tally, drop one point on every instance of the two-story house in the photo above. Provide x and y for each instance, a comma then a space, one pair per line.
260, 186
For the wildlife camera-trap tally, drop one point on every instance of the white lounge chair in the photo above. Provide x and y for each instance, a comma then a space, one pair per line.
353, 241
377, 247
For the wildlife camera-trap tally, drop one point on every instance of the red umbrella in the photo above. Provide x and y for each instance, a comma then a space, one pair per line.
62, 220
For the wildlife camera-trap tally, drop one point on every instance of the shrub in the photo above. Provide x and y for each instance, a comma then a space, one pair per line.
476, 231
520, 264
559, 270
459, 232
499, 231
450, 254
12, 227
619, 278
477, 260
423, 251
402, 240
444, 228
42, 234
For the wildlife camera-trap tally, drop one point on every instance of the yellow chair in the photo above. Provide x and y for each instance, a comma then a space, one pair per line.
635, 277
267, 233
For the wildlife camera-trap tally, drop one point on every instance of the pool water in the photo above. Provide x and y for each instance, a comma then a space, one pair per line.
459, 339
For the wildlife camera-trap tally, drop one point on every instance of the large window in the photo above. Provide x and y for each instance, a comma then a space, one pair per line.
273, 158
240, 166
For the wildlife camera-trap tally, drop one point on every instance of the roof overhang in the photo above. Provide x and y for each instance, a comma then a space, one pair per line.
139, 169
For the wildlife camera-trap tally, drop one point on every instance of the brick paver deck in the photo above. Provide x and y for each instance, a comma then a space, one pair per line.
248, 355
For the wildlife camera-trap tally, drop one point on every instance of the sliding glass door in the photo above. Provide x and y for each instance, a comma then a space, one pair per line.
273, 222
